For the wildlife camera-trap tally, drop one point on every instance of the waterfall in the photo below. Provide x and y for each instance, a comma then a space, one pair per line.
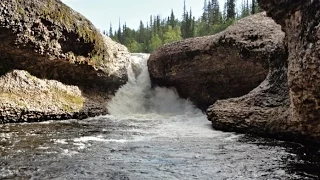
138, 97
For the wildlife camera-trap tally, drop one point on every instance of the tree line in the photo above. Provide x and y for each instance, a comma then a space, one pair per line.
159, 31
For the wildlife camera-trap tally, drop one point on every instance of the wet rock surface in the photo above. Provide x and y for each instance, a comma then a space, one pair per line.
147, 147
51, 41
225, 65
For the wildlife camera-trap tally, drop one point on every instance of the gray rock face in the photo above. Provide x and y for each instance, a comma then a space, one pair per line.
225, 65
273, 109
51, 41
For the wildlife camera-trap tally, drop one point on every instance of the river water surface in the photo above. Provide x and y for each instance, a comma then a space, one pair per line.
150, 134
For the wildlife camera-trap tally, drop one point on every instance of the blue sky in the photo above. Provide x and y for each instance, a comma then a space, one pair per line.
102, 12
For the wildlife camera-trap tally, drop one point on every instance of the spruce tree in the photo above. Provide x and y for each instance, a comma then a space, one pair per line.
253, 7
155, 28
119, 34
184, 10
188, 25
191, 24
110, 31
124, 35
204, 17
184, 21
231, 13
215, 12
172, 19
158, 24
141, 32
166, 30
245, 8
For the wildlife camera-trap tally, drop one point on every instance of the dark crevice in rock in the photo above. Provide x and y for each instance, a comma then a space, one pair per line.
75, 44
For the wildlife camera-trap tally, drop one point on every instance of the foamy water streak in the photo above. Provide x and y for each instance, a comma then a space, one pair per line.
137, 96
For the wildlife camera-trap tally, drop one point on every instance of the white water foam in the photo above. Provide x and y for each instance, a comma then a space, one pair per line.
158, 112
137, 96
172, 115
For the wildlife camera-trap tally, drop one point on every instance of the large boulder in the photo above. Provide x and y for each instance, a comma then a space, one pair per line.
225, 65
51, 41
295, 114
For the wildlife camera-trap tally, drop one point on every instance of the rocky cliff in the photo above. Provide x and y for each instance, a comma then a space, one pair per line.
225, 65
300, 20
297, 118
51, 41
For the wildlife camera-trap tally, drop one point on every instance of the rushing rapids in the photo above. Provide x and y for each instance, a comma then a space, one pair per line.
150, 134
137, 96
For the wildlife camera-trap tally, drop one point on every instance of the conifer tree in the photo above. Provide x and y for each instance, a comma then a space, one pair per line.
190, 25
110, 30
193, 26
184, 21
119, 34
245, 8
172, 19
141, 32
209, 15
231, 13
124, 34
158, 31
215, 12
204, 17
253, 7
158, 21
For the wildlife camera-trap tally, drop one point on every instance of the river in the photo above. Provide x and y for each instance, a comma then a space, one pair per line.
149, 134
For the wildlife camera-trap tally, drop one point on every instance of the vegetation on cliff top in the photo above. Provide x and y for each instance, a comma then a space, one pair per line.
158, 32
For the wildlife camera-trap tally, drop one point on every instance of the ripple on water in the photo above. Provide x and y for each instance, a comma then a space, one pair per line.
164, 148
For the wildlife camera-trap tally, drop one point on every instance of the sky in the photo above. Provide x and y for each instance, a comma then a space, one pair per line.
103, 12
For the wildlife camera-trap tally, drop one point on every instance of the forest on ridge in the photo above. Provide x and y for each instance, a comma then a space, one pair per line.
159, 31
